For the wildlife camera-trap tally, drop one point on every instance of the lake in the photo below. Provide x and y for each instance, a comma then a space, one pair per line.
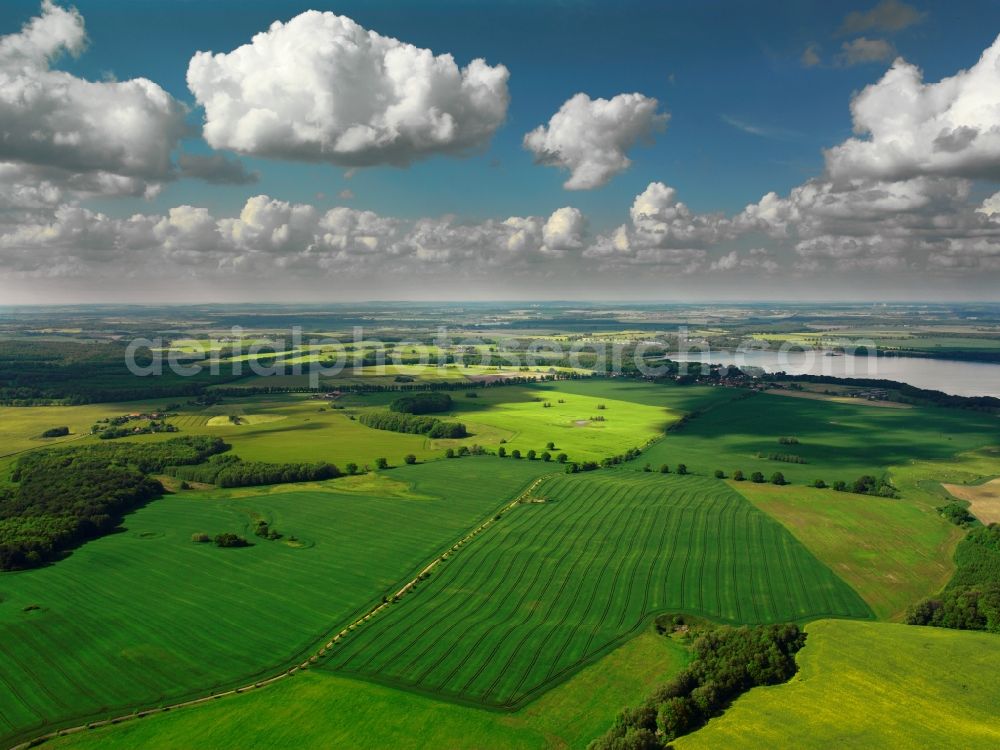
956, 378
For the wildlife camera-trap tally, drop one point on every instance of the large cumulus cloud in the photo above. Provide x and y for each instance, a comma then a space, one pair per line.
322, 88
907, 127
591, 137
115, 136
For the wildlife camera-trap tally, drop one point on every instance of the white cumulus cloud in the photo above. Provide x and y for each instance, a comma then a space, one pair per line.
908, 128
564, 230
591, 137
322, 88
111, 131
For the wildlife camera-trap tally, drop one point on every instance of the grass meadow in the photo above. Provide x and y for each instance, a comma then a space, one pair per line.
560, 580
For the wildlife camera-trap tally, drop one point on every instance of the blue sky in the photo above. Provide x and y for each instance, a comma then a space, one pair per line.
704, 61
897, 199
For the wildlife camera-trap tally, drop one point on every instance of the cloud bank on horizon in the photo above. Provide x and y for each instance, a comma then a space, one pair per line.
910, 195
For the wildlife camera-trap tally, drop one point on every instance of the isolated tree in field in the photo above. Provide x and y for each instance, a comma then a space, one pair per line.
720, 474
352, 468
501, 451
381, 463
450, 453
778, 478
409, 458
515, 453
546, 456
682, 469
664, 469
562, 458
819, 484
647, 467
550, 446
531, 454
738, 475
757, 477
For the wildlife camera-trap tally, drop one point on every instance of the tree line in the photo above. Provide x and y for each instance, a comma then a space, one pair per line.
432, 427
231, 471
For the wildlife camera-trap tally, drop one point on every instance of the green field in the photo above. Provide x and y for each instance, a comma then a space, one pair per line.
321, 710
560, 580
521, 418
21, 427
837, 440
864, 685
146, 616
892, 552
297, 428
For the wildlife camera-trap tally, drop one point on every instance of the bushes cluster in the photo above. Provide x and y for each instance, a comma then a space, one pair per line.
867, 485
728, 662
475, 450
264, 531
228, 539
958, 514
115, 432
432, 427
232, 471
788, 458
56, 432
422, 402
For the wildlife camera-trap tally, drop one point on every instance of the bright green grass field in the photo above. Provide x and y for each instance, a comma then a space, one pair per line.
838, 441
556, 583
872, 685
633, 414
295, 427
319, 710
146, 616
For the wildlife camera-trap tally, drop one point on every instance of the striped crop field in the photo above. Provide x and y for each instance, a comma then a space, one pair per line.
188, 421
560, 580
148, 617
